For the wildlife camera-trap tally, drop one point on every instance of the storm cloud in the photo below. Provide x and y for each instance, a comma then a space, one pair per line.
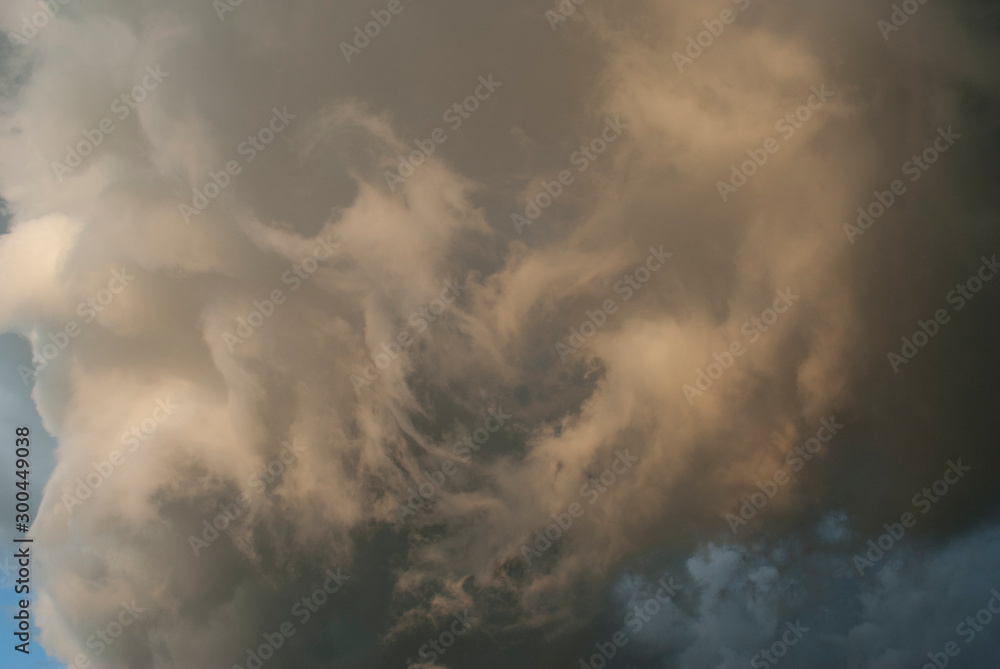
502, 314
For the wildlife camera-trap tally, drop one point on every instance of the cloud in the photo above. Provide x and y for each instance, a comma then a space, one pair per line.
374, 325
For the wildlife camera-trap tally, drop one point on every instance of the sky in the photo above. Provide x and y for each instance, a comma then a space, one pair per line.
433, 335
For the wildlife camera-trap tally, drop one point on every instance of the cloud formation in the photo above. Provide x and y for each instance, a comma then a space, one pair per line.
288, 295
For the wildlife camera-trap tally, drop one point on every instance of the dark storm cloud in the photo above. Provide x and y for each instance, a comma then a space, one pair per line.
374, 321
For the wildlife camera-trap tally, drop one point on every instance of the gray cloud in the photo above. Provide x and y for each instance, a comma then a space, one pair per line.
306, 272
